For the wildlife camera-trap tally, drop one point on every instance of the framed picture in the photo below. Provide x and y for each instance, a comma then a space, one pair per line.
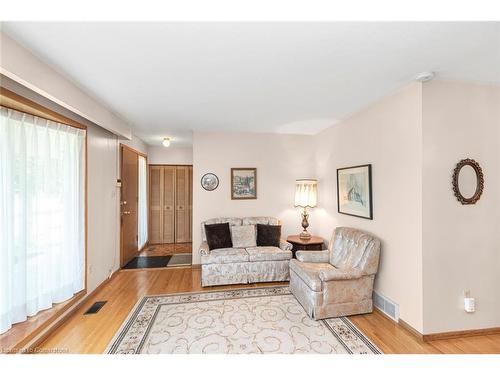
243, 183
354, 191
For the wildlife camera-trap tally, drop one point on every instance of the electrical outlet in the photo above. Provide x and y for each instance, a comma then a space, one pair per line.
469, 305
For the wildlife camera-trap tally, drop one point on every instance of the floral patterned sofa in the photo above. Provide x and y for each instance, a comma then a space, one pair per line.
244, 265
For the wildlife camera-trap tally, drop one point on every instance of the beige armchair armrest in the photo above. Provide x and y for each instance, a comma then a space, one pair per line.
285, 245
204, 250
313, 256
336, 274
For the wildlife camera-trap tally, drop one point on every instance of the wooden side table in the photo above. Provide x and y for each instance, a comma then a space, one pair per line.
313, 244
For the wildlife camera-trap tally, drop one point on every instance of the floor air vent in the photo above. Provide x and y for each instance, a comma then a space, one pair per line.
388, 307
94, 309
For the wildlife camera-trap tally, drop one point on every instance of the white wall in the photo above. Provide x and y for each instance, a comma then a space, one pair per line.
170, 155
387, 135
103, 253
279, 159
461, 243
22, 66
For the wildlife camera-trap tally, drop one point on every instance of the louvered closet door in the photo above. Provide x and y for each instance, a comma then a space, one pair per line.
168, 204
155, 204
190, 213
182, 204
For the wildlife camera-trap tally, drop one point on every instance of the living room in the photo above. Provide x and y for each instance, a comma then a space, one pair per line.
250, 187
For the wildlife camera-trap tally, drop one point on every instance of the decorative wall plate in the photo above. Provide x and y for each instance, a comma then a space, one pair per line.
209, 181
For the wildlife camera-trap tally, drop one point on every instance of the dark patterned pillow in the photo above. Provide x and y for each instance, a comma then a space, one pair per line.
218, 236
268, 235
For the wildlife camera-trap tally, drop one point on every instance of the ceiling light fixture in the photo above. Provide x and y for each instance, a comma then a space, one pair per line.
424, 76
166, 142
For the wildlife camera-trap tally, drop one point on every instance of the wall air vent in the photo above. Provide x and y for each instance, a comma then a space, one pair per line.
385, 305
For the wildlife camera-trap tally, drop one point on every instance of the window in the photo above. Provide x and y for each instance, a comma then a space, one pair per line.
143, 204
42, 214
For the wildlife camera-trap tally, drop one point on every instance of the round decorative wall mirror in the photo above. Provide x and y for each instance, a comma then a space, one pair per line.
468, 181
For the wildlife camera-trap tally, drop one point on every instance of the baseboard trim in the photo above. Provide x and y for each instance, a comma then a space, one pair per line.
410, 329
461, 334
33, 345
401, 323
441, 335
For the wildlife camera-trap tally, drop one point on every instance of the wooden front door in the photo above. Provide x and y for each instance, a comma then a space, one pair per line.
129, 200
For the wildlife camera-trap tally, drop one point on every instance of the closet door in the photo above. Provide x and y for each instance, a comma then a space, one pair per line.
190, 213
155, 204
182, 204
168, 204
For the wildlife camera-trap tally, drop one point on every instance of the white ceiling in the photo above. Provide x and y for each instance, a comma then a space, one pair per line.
168, 79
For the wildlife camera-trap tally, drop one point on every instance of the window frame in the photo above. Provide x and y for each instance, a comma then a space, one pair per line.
21, 334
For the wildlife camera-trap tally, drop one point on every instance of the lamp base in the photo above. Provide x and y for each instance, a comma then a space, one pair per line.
305, 235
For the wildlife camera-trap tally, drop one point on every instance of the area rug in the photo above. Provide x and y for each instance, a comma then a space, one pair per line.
148, 262
253, 320
180, 260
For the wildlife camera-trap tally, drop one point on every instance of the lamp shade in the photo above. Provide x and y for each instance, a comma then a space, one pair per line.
306, 193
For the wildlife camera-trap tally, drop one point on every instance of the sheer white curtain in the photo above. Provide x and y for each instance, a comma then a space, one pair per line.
42, 218
143, 204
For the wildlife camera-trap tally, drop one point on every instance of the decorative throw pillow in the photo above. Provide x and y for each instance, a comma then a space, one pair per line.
268, 235
243, 236
218, 236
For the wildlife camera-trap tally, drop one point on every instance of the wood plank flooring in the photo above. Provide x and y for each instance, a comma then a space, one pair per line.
92, 333
166, 249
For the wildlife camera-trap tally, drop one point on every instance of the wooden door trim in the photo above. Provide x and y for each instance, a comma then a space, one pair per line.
138, 153
134, 150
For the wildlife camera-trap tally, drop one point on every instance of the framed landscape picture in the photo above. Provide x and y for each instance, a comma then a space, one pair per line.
354, 191
243, 183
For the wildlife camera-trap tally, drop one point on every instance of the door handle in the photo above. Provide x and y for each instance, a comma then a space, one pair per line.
126, 212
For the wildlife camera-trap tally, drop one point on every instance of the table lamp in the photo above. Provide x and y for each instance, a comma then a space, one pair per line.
305, 196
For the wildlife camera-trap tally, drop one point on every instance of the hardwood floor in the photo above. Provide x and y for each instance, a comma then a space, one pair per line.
166, 249
92, 333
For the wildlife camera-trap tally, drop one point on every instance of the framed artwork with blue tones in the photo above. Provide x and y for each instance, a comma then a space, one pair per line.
243, 183
354, 191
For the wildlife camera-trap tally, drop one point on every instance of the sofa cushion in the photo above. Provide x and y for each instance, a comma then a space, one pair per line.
243, 236
263, 253
217, 220
309, 273
268, 235
229, 255
218, 236
253, 220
